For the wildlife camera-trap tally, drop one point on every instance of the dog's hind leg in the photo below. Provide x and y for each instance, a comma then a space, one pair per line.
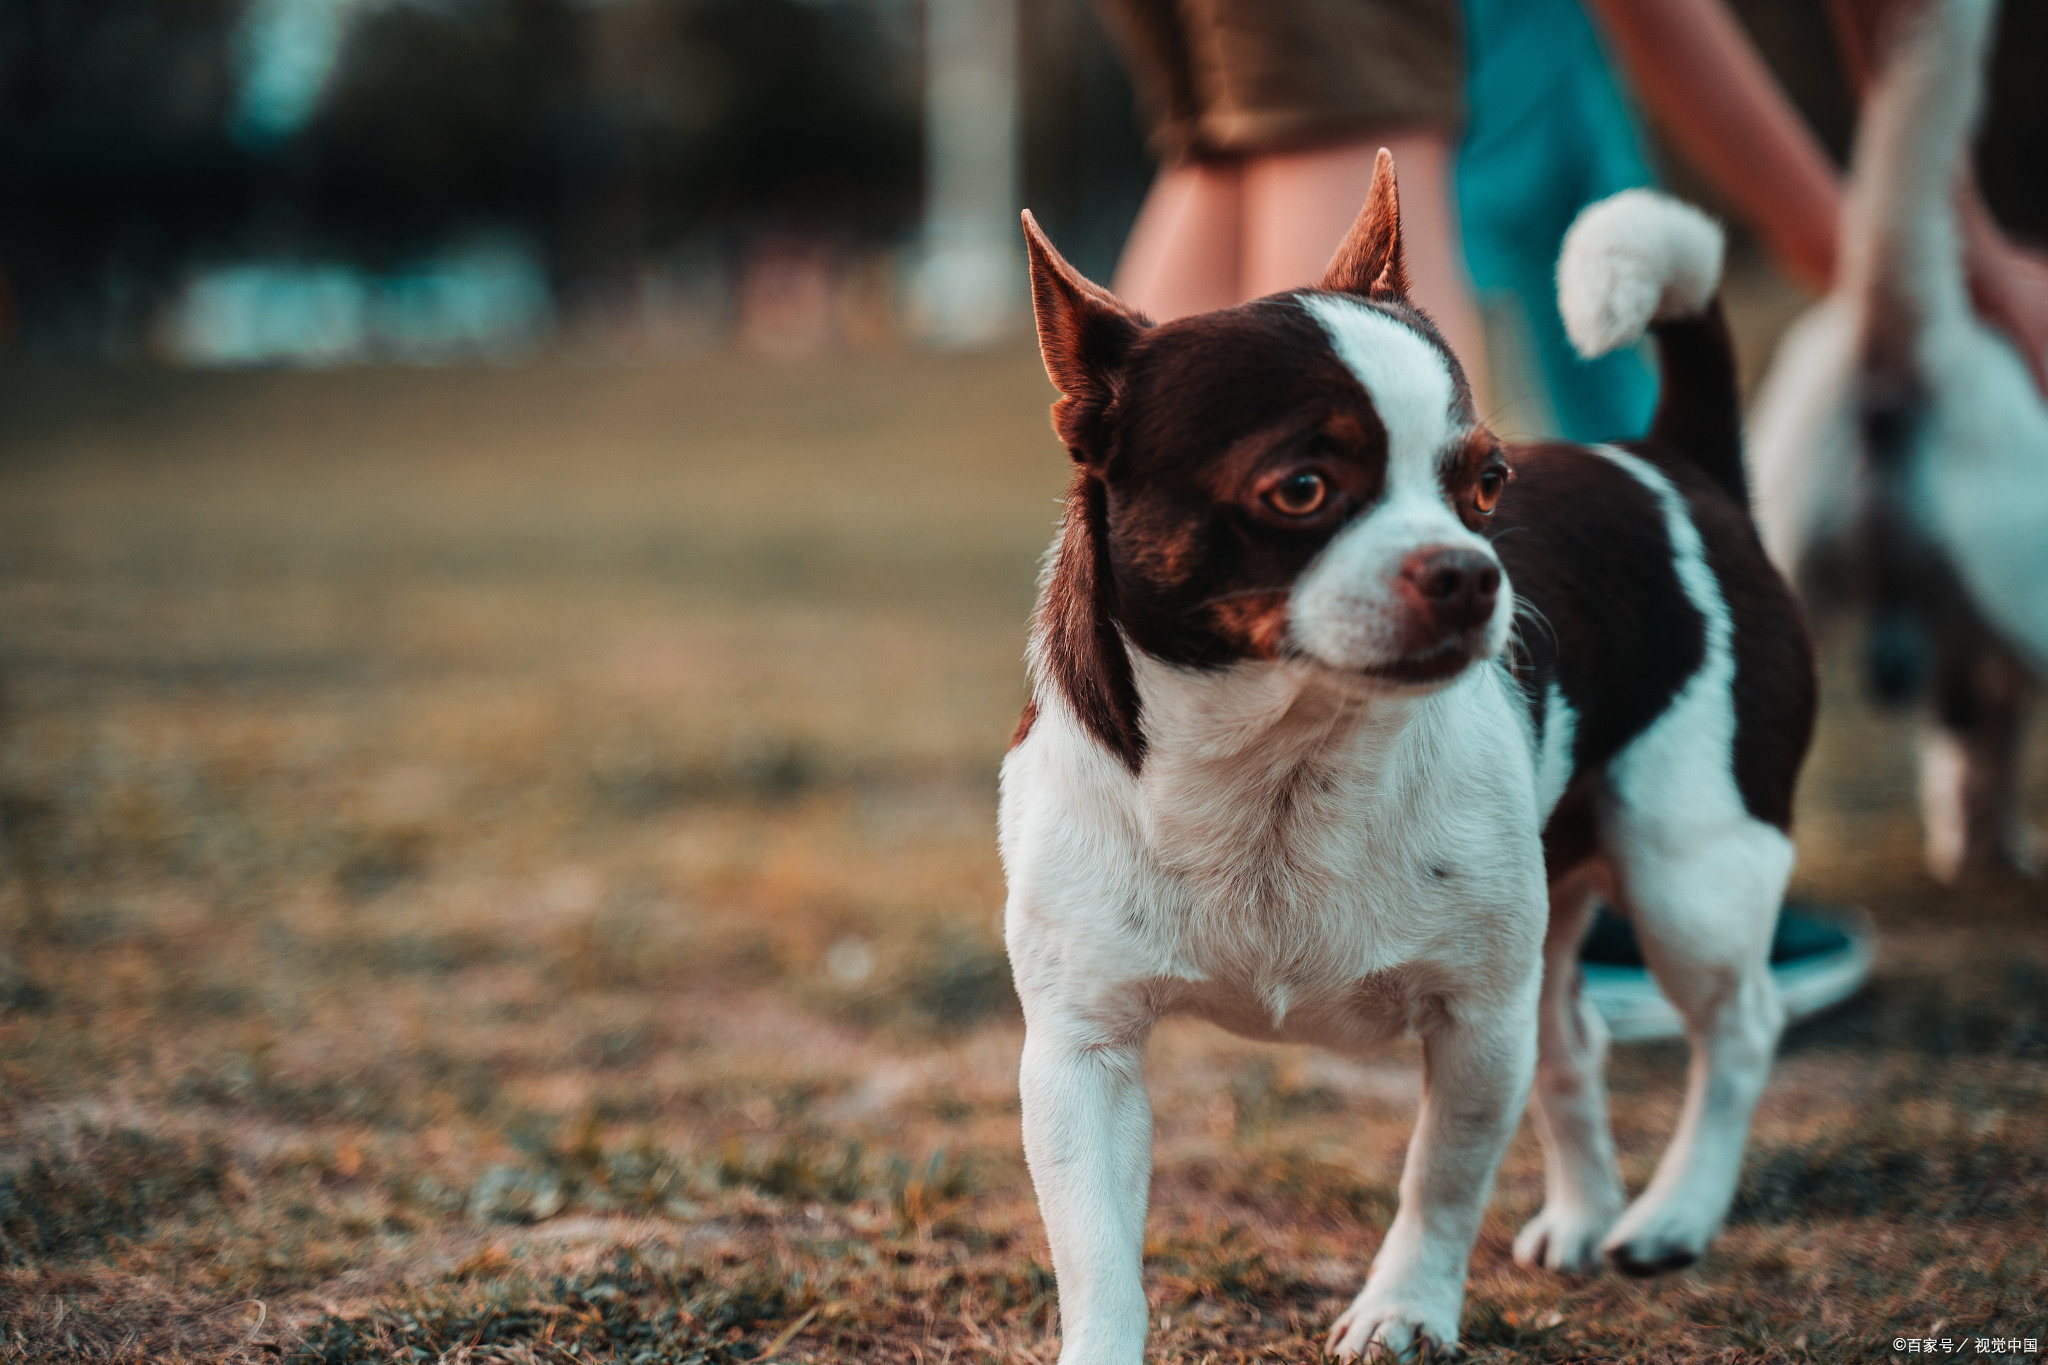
1582, 1194
1704, 900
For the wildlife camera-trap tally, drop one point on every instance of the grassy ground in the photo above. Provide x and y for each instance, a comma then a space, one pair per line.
498, 867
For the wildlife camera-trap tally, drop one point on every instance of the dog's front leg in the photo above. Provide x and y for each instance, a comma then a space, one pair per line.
1476, 1073
1088, 1138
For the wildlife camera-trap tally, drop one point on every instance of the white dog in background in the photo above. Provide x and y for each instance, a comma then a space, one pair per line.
1900, 435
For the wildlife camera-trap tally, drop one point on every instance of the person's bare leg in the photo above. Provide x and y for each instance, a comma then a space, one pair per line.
1184, 251
1297, 206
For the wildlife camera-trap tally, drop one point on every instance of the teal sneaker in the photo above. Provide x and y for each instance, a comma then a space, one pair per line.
1820, 956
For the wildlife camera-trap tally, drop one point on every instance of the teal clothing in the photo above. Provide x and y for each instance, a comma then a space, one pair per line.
1548, 131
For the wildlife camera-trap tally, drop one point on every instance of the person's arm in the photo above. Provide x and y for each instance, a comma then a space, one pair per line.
2008, 282
1703, 82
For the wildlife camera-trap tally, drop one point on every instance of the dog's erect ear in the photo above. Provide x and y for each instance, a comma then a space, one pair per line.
1084, 333
1368, 262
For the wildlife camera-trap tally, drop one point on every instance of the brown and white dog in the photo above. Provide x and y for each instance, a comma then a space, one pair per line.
1900, 434
1341, 714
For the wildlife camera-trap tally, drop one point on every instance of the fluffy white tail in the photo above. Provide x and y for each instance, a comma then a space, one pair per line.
1632, 259
1899, 234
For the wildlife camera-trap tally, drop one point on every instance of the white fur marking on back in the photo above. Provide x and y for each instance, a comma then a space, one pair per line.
1692, 744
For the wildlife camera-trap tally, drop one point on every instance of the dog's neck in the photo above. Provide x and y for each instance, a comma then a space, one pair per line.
1255, 715
1242, 756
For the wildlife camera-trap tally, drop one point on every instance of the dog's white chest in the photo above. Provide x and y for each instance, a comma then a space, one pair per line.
1306, 917
1285, 1003
1321, 885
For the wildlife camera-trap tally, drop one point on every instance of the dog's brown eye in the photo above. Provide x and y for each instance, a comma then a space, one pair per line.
1300, 494
1491, 482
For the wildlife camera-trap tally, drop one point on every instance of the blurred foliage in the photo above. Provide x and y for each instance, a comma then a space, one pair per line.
114, 151
775, 107
612, 132
605, 135
436, 118
609, 136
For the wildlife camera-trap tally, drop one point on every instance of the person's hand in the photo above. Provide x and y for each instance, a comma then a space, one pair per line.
2008, 284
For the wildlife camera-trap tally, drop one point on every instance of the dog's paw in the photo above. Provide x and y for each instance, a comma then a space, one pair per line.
1563, 1238
1393, 1328
1655, 1241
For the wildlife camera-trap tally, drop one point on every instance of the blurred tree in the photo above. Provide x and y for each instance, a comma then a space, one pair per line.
804, 115
608, 133
1086, 168
441, 119
115, 159
2016, 123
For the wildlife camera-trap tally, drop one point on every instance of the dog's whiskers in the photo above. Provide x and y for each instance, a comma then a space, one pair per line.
1527, 610
1503, 409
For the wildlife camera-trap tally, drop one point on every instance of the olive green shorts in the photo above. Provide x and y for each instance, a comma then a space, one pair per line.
1229, 77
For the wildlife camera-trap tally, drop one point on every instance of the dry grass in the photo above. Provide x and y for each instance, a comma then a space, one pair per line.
498, 866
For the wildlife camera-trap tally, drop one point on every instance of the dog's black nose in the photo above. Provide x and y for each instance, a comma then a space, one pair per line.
1459, 587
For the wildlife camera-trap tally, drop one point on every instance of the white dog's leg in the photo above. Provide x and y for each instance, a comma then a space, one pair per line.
1971, 767
1944, 809
1475, 1081
1704, 912
1582, 1194
1088, 1139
